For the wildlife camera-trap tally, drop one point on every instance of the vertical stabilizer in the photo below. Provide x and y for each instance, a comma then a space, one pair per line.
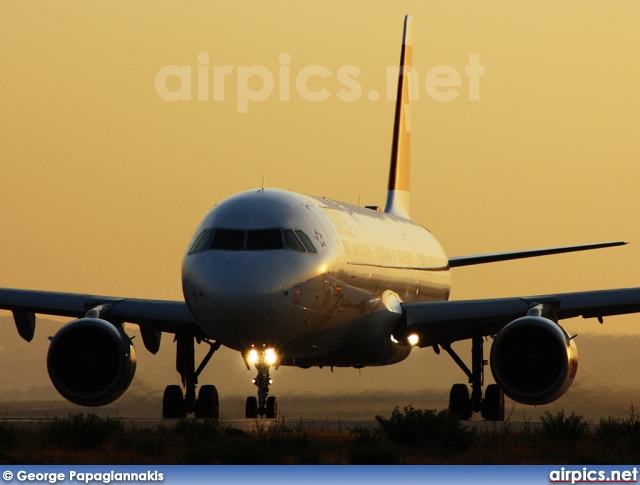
399, 171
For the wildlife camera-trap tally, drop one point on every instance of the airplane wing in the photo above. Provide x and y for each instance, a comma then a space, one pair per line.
152, 315
505, 256
450, 321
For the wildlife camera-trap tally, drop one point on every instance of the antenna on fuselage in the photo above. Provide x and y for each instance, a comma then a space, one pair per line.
399, 170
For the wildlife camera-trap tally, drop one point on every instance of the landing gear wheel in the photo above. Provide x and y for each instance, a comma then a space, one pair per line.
272, 407
173, 403
208, 405
459, 401
251, 410
493, 406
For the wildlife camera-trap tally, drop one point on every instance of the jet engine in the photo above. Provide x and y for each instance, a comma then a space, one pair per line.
91, 362
533, 360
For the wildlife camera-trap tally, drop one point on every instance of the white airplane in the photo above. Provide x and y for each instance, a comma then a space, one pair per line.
295, 280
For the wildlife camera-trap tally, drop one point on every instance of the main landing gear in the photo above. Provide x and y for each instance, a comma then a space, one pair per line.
175, 404
264, 405
463, 404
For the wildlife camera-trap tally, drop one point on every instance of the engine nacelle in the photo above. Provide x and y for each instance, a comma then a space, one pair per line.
91, 362
533, 360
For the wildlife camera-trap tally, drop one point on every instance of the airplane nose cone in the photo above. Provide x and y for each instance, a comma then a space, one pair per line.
228, 274
237, 297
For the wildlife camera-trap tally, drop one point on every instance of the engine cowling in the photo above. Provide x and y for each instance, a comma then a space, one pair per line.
91, 362
533, 360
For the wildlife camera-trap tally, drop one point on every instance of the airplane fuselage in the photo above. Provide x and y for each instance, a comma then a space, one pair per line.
319, 281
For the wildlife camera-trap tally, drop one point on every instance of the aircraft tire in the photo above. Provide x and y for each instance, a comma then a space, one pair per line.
251, 409
272, 407
208, 405
459, 401
493, 408
173, 403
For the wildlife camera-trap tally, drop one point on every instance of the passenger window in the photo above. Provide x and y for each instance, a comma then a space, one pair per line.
291, 241
264, 239
228, 239
203, 242
306, 241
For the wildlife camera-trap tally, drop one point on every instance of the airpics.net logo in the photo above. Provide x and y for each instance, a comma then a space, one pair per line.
252, 84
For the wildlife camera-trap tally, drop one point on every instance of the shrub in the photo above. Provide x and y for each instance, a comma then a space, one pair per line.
562, 427
610, 429
614, 428
438, 430
614, 431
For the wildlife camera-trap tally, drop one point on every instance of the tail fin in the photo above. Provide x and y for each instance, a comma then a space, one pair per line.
399, 171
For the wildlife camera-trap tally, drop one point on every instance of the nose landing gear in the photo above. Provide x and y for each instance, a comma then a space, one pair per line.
264, 405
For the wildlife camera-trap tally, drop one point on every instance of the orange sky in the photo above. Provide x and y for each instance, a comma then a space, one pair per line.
103, 181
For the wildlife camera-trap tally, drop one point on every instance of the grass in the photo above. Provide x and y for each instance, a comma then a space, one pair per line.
80, 432
407, 436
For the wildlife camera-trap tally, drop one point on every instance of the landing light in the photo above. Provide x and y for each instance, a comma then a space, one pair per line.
413, 339
253, 356
270, 356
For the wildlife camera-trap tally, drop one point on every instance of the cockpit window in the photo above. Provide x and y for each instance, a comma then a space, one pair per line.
203, 242
254, 240
228, 239
306, 241
264, 239
292, 242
